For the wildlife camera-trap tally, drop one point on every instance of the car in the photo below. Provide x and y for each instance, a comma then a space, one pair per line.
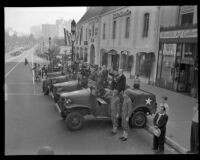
59, 88
47, 83
73, 106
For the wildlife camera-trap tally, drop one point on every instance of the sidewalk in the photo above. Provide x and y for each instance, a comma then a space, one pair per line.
180, 113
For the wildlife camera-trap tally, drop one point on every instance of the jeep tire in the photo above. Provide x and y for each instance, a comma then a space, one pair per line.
138, 120
74, 121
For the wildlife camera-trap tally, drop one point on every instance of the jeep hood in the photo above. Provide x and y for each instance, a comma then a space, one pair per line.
69, 83
76, 94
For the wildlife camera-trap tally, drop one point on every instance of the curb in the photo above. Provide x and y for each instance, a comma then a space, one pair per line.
180, 149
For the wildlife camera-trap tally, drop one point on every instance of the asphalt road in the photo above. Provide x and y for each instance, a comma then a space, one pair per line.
32, 121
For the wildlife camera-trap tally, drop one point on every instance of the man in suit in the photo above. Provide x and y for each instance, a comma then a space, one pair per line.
121, 82
160, 121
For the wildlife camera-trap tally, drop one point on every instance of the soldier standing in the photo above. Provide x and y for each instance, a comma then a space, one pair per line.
126, 113
115, 109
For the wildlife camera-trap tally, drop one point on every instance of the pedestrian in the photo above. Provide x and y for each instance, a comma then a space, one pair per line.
136, 84
121, 81
164, 103
115, 110
46, 150
125, 115
194, 137
160, 122
26, 62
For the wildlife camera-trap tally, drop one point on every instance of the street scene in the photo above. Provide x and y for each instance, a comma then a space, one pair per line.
101, 80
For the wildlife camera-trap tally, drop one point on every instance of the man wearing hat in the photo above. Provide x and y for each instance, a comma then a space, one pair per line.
164, 103
160, 121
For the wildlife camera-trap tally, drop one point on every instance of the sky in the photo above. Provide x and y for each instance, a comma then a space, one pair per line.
21, 19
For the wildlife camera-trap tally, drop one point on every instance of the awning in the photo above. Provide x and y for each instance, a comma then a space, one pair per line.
112, 52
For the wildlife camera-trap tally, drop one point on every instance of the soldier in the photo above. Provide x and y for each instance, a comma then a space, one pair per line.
104, 72
126, 113
115, 109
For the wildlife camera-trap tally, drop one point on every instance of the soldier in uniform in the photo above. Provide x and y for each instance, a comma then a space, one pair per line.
126, 113
115, 109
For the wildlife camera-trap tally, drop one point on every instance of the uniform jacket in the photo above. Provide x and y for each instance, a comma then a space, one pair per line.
121, 83
162, 122
126, 107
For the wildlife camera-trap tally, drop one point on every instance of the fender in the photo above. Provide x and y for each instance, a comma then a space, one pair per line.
78, 106
141, 107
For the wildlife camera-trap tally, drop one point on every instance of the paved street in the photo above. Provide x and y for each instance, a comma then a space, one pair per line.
32, 121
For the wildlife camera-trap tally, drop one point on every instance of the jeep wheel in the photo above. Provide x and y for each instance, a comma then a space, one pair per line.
74, 121
138, 120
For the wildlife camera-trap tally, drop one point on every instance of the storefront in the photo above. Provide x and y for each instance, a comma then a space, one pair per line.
177, 67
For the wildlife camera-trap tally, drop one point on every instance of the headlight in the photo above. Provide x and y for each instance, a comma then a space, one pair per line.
68, 101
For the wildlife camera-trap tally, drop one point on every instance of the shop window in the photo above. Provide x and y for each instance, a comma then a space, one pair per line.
187, 19
160, 61
146, 25
188, 51
114, 30
168, 63
127, 28
130, 63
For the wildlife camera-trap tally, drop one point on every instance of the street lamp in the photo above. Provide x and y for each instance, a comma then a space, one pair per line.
73, 29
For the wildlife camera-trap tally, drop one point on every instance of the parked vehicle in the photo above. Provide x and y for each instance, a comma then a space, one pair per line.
76, 104
47, 84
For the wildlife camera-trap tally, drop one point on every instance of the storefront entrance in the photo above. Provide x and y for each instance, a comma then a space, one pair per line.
185, 80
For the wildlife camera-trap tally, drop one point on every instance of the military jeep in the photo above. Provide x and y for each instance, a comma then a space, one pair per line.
47, 83
75, 105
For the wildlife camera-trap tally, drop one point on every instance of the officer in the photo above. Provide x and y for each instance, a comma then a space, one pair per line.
126, 113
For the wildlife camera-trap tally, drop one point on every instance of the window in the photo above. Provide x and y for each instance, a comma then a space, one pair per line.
127, 28
93, 29
146, 25
86, 34
114, 29
187, 19
104, 28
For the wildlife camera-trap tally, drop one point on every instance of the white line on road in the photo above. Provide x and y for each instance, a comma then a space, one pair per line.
13, 68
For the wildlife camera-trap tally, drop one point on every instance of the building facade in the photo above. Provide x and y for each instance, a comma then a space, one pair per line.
128, 40
177, 66
120, 37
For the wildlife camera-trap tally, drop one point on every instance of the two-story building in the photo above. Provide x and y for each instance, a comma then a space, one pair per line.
177, 66
129, 37
123, 37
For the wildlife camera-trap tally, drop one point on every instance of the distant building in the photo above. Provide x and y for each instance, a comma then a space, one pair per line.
49, 30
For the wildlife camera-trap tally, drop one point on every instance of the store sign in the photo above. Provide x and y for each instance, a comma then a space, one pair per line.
169, 49
179, 34
122, 13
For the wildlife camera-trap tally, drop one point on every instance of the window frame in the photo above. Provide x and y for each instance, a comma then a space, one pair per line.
114, 29
127, 27
146, 24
